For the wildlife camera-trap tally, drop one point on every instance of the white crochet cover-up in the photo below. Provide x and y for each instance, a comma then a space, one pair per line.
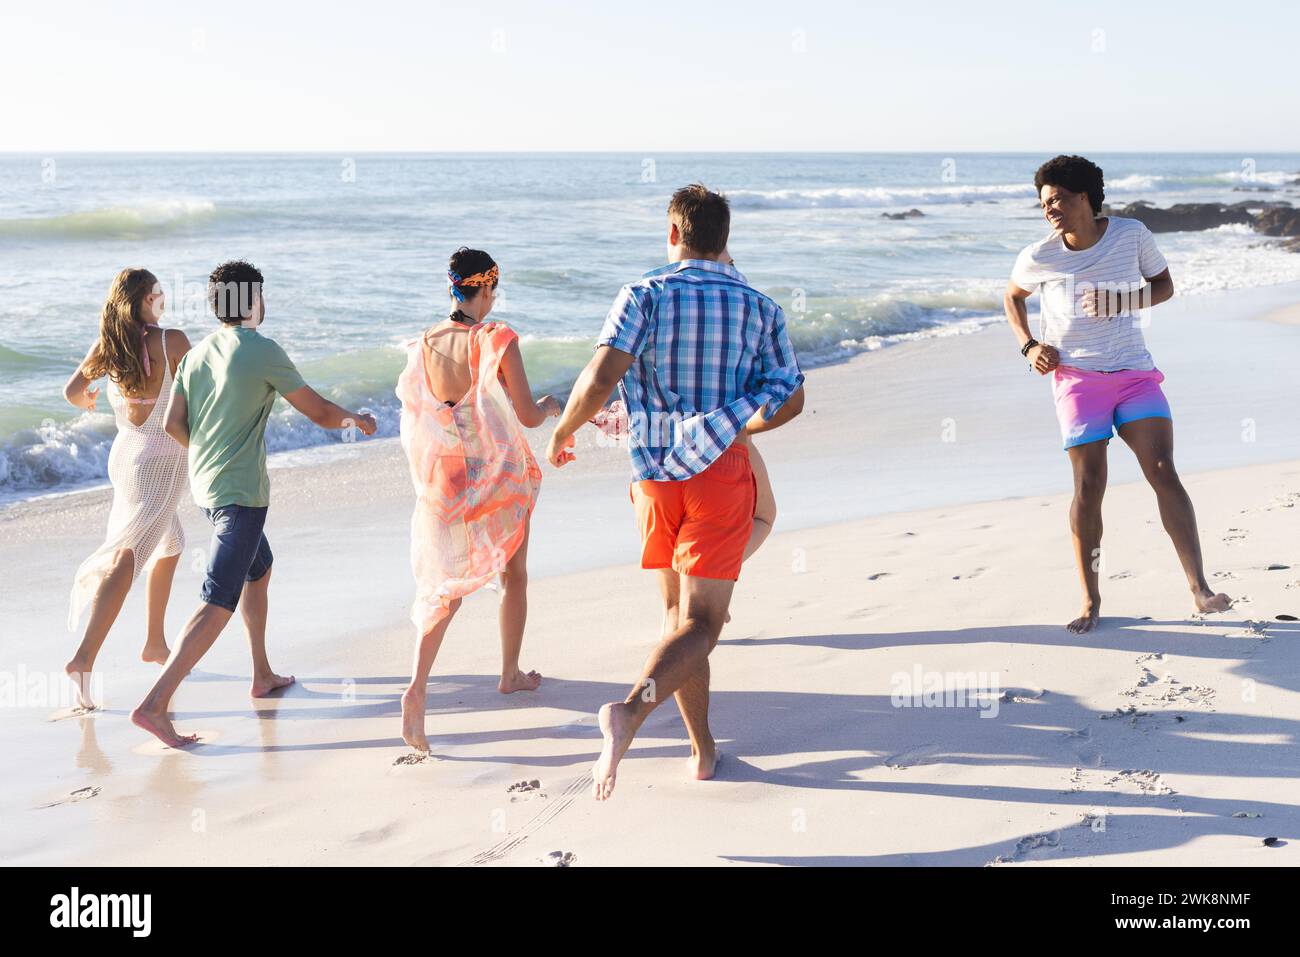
149, 472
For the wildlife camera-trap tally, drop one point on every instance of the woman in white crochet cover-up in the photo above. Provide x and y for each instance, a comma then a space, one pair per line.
146, 466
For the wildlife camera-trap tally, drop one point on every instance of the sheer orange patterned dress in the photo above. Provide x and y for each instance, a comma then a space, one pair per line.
476, 480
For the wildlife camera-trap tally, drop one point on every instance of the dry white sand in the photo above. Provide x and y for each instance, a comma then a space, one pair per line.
1157, 739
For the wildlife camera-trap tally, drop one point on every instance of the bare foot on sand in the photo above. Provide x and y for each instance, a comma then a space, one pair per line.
155, 653
413, 720
616, 726
519, 681
161, 728
704, 763
1087, 619
1208, 602
264, 685
79, 675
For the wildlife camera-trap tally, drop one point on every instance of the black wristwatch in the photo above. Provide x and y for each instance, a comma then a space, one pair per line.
1024, 350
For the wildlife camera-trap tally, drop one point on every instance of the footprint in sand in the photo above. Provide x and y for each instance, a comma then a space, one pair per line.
72, 713
1032, 847
560, 859
1234, 536
1289, 500
1146, 679
1150, 656
1021, 695
81, 794
1227, 576
414, 757
525, 790
911, 757
1130, 711
1144, 782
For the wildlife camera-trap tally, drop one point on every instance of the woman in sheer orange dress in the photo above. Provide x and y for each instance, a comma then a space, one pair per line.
465, 403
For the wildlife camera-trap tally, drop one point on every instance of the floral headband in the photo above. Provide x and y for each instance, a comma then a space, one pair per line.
487, 277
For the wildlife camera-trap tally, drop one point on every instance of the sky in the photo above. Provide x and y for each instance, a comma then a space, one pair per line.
614, 76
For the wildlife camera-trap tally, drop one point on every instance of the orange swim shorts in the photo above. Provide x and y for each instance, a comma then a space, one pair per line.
699, 526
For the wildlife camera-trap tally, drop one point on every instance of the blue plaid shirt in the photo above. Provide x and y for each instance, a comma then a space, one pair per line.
710, 352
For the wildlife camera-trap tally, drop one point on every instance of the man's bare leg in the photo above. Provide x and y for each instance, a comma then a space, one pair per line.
692, 697
158, 590
1152, 441
513, 616
254, 605
199, 634
1089, 462
104, 609
413, 698
670, 666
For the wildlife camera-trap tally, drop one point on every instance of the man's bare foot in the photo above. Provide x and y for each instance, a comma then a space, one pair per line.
519, 681
1086, 621
264, 685
704, 763
161, 728
413, 720
616, 726
79, 675
155, 652
1208, 602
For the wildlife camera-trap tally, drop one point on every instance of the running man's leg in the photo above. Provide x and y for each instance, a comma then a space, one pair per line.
1089, 463
693, 696
199, 634
104, 609
513, 616
673, 663
236, 540
413, 698
1152, 441
158, 591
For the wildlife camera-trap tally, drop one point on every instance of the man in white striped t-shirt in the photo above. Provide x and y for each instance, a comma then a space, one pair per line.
1097, 276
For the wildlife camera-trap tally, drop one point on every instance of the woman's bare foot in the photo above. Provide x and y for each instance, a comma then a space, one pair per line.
1208, 602
161, 728
79, 674
616, 726
264, 685
704, 762
155, 652
413, 720
519, 681
1087, 619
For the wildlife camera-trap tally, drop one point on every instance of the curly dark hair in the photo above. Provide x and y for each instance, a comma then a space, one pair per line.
1075, 173
233, 290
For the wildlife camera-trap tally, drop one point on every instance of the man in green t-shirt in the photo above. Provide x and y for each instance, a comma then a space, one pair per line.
222, 396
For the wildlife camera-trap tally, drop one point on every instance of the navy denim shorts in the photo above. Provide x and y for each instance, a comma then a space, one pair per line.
239, 553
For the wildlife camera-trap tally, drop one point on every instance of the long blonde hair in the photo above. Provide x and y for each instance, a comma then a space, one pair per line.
119, 352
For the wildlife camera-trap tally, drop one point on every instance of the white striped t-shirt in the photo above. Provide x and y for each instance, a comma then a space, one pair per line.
1124, 256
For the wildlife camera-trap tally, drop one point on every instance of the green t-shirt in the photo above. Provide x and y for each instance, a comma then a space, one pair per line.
229, 381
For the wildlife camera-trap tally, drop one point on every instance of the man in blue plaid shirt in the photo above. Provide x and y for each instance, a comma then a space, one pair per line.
702, 361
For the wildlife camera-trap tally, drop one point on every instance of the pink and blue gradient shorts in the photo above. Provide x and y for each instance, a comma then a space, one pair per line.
1090, 405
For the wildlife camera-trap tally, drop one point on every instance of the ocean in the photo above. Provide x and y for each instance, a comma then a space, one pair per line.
354, 250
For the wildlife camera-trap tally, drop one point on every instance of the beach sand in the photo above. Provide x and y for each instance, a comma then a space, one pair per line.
906, 544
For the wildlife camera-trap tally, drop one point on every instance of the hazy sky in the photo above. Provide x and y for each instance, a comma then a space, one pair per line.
806, 75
